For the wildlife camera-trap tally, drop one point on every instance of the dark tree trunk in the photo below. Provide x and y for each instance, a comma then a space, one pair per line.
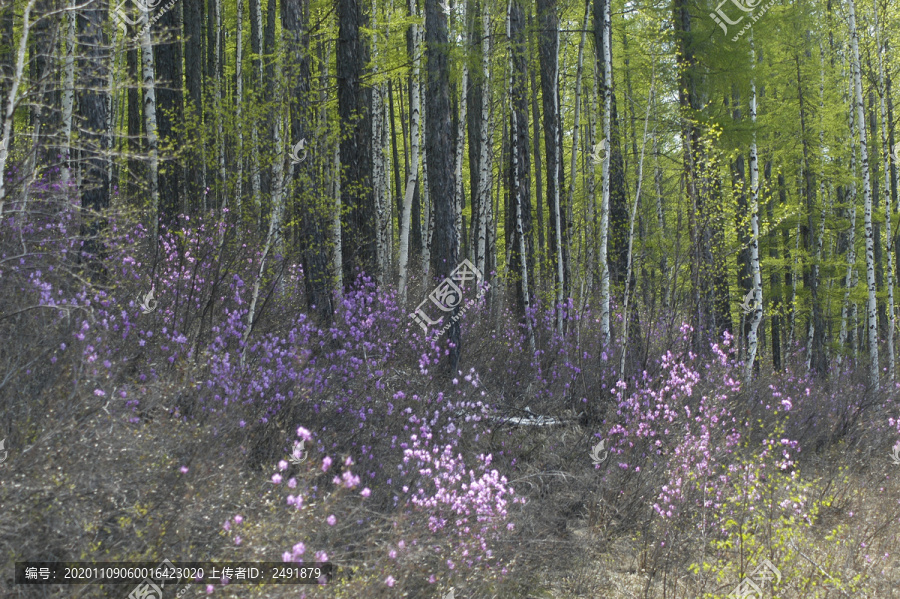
544, 251
439, 149
398, 189
92, 68
354, 101
136, 172
193, 59
520, 167
473, 116
808, 233
46, 111
313, 238
170, 112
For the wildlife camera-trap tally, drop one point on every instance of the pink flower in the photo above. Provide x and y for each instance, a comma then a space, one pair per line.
326, 464
331, 520
184, 469
366, 492
389, 581
238, 519
276, 478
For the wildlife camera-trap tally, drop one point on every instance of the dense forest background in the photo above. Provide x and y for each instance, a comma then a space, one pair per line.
568, 299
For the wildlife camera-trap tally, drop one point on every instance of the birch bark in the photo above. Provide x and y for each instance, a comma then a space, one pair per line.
871, 306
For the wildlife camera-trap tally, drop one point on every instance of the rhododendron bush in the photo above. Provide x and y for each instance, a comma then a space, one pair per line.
274, 434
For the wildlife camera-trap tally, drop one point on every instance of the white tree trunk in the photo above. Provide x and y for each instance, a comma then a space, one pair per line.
12, 100
604, 203
415, 109
68, 98
379, 187
756, 315
484, 159
150, 119
461, 134
871, 307
220, 132
554, 190
337, 258
426, 192
886, 191
590, 231
239, 110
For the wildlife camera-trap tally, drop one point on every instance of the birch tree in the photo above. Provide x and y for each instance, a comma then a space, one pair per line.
406, 216
239, 110
888, 211
605, 147
379, 170
12, 100
150, 124
484, 166
871, 306
756, 314
68, 99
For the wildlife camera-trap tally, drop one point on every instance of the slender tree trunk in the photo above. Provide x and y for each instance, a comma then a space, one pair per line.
543, 251
606, 89
871, 307
575, 130
486, 144
338, 252
170, 114
427, 216
12, 98
68, 100
756, 315
458, 225
775, 307
150, 124
888, 208
193, 77
239, 112
405, 220
522, 258
398, 186
379, 172
256, 78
